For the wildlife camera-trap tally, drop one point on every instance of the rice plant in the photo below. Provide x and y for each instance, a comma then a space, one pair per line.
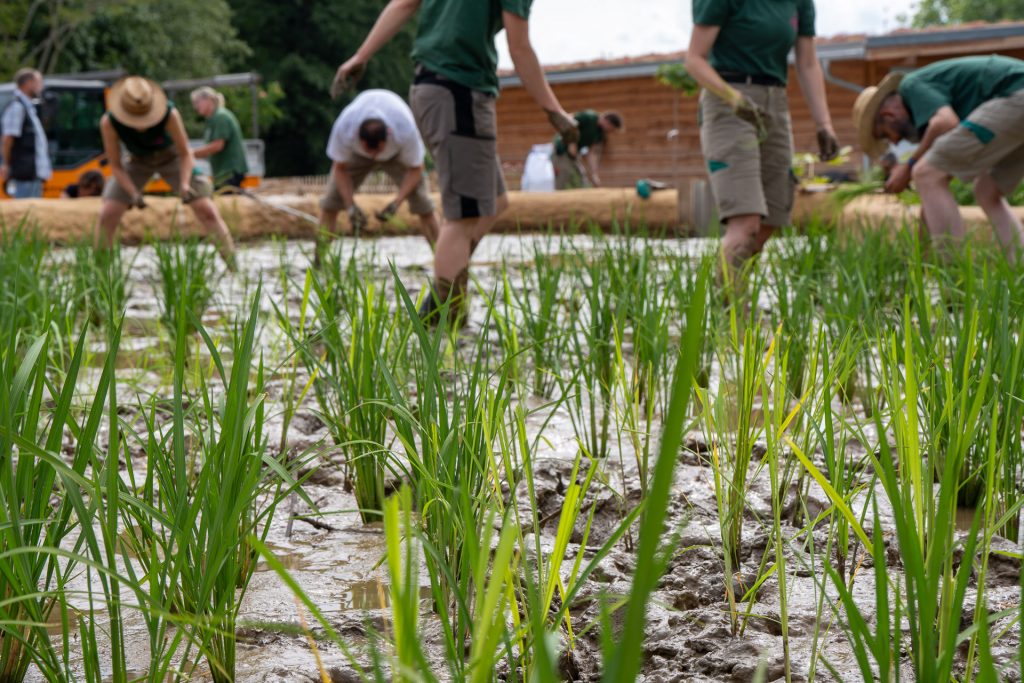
187, 284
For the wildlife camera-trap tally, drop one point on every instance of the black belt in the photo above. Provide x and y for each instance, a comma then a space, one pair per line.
750, 79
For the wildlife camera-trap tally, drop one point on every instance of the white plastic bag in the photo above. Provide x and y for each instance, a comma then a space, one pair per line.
538, 173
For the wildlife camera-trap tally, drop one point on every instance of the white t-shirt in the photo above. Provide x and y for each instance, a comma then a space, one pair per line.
403, 141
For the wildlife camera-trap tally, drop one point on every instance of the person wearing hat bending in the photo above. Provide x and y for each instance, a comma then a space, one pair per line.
967, 116
454, 93
141, 118
738, 54
376, 132
594, 131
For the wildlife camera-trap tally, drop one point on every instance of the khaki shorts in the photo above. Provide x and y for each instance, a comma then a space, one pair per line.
749, 176
459, 127
141, 169
420, 202
990, 139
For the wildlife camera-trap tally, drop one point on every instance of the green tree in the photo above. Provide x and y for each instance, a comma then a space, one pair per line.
299, 44
932, 12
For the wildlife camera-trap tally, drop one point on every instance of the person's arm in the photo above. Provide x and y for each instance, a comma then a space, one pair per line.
7, 146
176, 128
530, 72
209, 149
112, 149
390, 21
410, 180
812, 83
702, 39
943, 121
343, 181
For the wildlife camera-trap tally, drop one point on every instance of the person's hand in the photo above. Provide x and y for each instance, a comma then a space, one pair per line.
348, 74
188, 195
828, 146
899, 179
566, 127
388, 212
748, 110
138, 201
357, 219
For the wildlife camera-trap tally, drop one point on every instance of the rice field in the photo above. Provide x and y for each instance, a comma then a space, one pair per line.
620, 468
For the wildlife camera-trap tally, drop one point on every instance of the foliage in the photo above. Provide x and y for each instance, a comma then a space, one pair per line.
678, 78
331, 32
932, 12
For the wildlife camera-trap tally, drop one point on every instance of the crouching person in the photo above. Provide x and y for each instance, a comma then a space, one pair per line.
142, 119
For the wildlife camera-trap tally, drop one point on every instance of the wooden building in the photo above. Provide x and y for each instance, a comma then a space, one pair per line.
652, 112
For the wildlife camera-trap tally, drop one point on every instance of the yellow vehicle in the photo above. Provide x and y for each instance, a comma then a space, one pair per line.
70, 110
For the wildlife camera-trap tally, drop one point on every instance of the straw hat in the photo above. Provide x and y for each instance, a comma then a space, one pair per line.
137, 102
865, 110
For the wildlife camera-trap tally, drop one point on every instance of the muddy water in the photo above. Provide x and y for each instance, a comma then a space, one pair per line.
689, 635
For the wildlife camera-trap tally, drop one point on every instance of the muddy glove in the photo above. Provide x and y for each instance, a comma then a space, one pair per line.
347, 76
747, 110
188, 195
387, 213
828, 146
565, 125
137, 202
357, 219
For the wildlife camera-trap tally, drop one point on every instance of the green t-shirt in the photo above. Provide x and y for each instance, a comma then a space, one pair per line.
223, 125
755, 36
456, 39
963, 84
591, 134
141, 143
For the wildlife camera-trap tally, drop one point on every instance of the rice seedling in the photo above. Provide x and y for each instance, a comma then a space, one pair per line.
186, 284
358, 336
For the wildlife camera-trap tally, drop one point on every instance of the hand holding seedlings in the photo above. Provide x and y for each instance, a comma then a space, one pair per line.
388, 212
899, 179
357, 219
138, 201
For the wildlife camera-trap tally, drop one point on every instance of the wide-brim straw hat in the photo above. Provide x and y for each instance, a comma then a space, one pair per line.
137, 102
865, 111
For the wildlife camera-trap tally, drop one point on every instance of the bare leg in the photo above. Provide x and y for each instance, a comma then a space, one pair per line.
741, 241
430, 228
207, 214
328, 226
938, 206
1007, 226
111, 212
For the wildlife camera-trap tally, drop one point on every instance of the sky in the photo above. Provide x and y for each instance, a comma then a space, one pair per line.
580, 30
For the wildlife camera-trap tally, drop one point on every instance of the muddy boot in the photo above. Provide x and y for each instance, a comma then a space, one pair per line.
445, 291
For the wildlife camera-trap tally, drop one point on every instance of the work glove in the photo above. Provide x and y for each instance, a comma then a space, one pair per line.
137, 202
357, 219
387, 213
828, 146
747, 110
188, 195
347, 76
565, 125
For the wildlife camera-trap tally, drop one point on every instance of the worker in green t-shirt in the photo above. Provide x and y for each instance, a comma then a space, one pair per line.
738, 54
453, 96
967, 116
572, 162
222, 142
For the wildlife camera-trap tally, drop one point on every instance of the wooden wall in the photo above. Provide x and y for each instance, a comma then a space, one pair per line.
651, 110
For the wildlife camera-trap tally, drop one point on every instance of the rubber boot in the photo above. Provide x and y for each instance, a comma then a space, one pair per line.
454, 293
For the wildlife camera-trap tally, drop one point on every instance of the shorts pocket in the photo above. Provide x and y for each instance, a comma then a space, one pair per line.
472, 163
